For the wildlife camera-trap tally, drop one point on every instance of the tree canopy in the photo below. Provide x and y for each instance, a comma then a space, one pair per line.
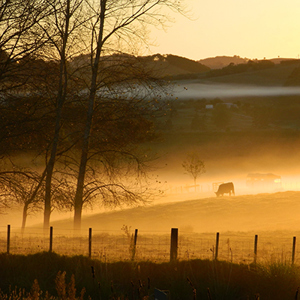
75, 102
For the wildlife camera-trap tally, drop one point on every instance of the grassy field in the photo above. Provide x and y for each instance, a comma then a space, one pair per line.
274, 217
256, 213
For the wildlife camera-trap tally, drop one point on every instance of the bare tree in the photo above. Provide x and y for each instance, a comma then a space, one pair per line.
17, 187
19, 38
194, 166
113, 25
26, 188
28, 31
38, 42
63, 29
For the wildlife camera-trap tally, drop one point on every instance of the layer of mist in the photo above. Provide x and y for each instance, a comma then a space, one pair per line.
190, 90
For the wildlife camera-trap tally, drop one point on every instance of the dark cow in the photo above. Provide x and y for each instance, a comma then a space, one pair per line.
225, 188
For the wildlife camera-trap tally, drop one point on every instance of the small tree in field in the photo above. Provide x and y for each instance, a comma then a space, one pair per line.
194, 166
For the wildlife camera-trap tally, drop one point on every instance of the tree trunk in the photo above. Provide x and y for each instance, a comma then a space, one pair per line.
24, 217
62, 87
32, 197
50, 167
86, 137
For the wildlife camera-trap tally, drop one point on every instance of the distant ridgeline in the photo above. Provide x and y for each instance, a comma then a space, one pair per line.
161, 66
181, 62
251, 65
219, 62
172, 66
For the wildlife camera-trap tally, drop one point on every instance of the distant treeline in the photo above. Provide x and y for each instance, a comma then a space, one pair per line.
180, 62
232, 68
251, 65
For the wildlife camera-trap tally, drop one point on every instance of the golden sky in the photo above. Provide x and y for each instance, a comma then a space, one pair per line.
251, 29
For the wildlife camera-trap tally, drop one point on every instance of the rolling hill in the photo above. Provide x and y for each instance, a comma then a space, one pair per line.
279, 75
157, 65
213, 69
219, 62
172, 65
260, 212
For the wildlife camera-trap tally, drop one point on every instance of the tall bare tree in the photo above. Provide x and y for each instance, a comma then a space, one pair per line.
42, 36
20, 38
60, 25
60, 45
114, 24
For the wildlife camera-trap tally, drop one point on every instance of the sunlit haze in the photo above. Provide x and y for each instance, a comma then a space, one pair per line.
255, 29
150, 149
238, 118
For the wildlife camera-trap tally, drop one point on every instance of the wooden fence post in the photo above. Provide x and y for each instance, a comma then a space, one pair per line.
51, 239
217, 245
8, 239
294, 250
255, 248
174, 244
134, 244
90, 242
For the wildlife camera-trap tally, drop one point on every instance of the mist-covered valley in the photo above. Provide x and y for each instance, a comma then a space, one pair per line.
256, 131
229, 156
262, 207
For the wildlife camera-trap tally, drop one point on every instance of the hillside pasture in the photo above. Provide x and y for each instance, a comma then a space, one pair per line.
273, 217
255, 213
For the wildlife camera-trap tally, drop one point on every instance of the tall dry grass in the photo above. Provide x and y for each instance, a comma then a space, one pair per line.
50, 276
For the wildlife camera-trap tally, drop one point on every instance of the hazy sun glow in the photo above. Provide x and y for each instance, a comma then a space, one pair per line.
255, 29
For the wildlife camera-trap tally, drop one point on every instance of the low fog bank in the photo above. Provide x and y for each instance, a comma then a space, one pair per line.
228, 157
233, 161
224, 165
251, 209
194, 90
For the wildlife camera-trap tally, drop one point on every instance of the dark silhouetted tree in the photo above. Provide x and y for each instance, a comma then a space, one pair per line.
122, 26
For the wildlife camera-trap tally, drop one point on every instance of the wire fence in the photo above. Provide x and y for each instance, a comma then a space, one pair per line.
112, 246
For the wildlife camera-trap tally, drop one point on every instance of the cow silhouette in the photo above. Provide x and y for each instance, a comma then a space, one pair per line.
225, 188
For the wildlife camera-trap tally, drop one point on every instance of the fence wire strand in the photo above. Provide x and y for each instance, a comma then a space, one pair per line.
119, 246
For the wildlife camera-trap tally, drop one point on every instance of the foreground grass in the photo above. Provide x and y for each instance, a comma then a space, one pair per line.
50, 276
